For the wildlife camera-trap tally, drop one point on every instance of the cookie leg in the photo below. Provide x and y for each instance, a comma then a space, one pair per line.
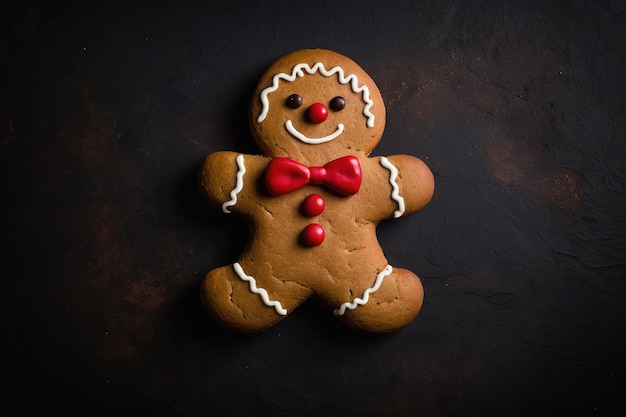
392, 302
237, 301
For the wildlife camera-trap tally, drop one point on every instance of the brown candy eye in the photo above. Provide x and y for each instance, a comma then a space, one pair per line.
338, 103
294, 101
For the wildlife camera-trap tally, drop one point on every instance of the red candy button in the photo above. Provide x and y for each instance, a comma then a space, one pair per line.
317, 113
313, 234
314, 205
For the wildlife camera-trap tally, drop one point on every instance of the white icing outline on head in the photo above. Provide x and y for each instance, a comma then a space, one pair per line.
298, 71
312, 141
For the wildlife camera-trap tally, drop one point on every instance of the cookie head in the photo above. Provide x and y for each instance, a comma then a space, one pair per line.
316, 103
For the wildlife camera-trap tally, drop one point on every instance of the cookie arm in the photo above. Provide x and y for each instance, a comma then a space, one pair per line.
222, 178
412, 182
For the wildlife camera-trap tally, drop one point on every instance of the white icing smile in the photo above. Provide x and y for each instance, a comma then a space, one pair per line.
312, 141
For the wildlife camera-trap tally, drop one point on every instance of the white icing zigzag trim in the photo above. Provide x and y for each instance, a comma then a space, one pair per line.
395, 193
312, 141
241, 169
366, 294
260, 291
298, 72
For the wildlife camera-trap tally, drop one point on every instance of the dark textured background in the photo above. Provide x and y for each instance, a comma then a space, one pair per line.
108, 108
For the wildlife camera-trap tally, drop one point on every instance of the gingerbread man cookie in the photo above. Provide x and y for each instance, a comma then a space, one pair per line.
313, 200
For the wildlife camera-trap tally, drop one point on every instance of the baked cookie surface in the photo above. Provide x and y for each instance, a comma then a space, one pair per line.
313, 200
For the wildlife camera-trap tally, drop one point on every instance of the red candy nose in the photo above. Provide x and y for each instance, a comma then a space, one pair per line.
317, 113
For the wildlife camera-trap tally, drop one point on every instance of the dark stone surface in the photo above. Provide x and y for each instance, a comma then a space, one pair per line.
107, 110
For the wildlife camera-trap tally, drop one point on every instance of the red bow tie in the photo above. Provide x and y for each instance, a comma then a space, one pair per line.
342, 175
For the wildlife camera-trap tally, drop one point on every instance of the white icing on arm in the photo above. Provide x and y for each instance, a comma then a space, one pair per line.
395, 193
260, 291
366, 294
241, 169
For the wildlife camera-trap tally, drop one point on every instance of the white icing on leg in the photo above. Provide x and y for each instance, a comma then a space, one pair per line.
241, 169
395, 193
366, 294
260, 291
